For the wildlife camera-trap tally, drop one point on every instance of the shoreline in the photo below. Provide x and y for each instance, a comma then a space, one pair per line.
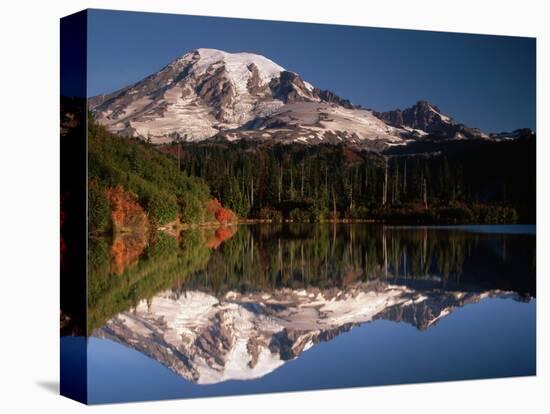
174, 228
394, 223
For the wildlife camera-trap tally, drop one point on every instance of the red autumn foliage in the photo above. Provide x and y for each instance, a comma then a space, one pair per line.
223, 215
226, 216
126, 212
126, 250
220, 235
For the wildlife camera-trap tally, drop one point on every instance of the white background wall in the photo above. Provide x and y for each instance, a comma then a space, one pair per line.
29, 212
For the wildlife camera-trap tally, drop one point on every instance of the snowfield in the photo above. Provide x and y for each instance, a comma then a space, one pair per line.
236, 65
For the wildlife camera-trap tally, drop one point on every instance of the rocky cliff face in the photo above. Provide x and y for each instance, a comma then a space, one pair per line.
425, 120
422, 115
209, 339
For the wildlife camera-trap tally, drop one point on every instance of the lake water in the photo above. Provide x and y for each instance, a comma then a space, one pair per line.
272, 308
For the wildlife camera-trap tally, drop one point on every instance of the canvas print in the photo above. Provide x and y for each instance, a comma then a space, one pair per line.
255, 206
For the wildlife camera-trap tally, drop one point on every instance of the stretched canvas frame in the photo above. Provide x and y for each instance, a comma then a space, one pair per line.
369, 238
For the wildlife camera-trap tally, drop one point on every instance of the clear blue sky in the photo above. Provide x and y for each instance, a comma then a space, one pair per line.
483, 81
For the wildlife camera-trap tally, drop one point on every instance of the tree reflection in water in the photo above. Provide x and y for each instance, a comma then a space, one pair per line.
263, 258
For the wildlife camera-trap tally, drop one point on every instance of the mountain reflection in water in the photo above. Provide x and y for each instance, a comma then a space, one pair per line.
213, 310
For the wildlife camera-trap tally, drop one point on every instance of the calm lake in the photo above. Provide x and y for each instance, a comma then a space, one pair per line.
271, 308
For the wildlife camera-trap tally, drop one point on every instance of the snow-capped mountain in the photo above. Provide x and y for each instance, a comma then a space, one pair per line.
212, 94
240, 95
193, 97
209, 339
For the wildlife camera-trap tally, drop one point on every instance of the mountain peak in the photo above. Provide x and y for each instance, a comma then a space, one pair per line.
210, 52
423, 116
206, 51
236, 64
425, 106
